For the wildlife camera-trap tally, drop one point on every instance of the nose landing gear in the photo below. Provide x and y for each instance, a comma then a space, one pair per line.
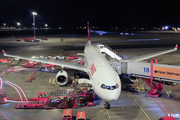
106, 105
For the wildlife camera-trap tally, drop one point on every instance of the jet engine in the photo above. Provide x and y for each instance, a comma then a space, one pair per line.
62, 78
132, 79
128, 78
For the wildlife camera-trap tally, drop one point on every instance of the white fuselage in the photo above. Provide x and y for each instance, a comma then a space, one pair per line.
105, 81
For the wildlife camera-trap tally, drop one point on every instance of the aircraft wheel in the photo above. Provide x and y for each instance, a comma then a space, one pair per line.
106, 105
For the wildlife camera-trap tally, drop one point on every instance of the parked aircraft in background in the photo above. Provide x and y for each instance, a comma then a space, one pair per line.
100, 32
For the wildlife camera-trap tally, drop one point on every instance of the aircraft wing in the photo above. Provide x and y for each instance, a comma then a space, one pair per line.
147, 56
70, 65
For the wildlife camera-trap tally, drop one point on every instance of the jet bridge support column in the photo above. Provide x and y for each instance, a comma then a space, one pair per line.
151, 77
154, 89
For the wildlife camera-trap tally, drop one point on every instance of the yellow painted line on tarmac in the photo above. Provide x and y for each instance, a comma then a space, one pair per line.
139, 106
143, 99
108, 114
101, 110
50, 80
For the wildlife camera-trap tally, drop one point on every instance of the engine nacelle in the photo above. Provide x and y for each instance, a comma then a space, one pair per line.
62, 78
133, 79
128, 78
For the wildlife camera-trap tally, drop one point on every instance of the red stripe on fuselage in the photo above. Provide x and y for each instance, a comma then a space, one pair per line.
92, 69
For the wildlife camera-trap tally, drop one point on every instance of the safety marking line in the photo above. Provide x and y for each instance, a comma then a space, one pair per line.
143, 99
139, 106
101, 110
108, 114
164, 110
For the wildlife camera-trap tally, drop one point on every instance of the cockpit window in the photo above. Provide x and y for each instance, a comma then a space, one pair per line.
103, 86
109, 87
117, 85
113, 87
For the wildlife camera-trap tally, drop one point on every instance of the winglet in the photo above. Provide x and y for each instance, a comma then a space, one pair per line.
176, 46
4, 53
88, 31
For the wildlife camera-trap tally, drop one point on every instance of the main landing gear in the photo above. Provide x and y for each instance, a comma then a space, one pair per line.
106, 105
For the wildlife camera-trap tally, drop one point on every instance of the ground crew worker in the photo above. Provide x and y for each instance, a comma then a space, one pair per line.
73, 83
53, 69
169, 92
46, 68
50, 81
76, 81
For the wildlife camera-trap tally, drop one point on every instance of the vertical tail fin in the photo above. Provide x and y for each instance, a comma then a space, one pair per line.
88, 31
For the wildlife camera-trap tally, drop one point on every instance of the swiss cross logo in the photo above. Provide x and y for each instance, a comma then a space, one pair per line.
92, 69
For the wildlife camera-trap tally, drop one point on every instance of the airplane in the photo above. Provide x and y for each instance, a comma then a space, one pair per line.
104, 80
100, 32
177, 30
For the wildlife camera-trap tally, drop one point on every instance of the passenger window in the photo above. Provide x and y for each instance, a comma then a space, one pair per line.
103, 86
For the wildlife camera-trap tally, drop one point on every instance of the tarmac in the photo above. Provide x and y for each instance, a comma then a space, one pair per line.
132, 105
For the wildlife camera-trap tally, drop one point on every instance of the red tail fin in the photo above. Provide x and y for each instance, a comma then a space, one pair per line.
88, 31
3, 52
176, 46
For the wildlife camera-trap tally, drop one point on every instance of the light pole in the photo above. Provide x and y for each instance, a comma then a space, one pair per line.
46, 25
34, 13
18, 23
4, 25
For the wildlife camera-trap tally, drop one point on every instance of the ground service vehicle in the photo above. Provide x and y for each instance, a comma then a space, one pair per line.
49, 65
30, 64
81, 115
58, 99
40, 102
67, 114
3, 97
19, 40
44, 39
5, 60
28, 39
167, 118
71, 57
60, 57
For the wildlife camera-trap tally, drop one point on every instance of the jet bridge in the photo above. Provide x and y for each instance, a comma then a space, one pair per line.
108, 51
160, 72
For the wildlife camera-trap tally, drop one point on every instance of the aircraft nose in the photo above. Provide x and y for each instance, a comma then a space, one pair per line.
112, 96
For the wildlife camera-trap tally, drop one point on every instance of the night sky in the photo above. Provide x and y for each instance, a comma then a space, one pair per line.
77, 12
